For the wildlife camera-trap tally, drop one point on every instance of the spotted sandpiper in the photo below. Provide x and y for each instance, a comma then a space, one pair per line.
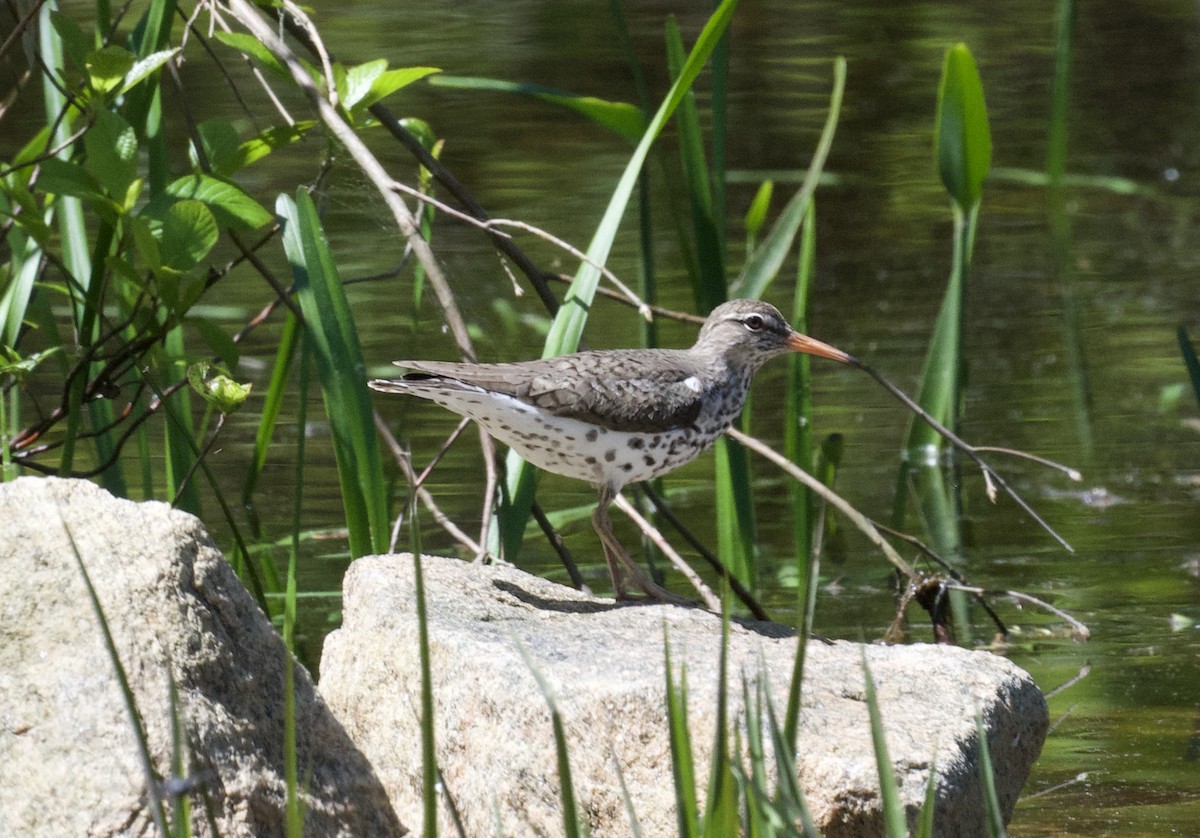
617, 416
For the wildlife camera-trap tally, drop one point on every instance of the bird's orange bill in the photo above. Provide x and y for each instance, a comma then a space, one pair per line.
811, 346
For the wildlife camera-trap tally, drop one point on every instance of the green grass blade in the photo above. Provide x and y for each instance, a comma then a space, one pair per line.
635, 826
721, 811
272, 403
797, 432
429, 766
987, 780
571, 825
620, 117
709, 282
894, 820
1189, 358
1060, 93
929, 808
153, 791
182, 444
762, 266
293, 811
683, 768
759, 822
736, 528
789, 796
568, 324
342, 372
734, 501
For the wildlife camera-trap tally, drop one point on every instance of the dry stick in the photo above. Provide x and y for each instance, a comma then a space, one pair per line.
370, 166
441, 452
855, 517
739, 590
537, 277
709, 598
560, 547
990, 475
1081, 632
1084, 671
250, 17
403, 460
491, 224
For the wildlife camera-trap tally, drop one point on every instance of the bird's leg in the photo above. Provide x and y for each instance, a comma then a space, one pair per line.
608, 541
617, 558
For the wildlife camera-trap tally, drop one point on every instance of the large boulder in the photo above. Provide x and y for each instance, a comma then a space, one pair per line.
605, 665
69, 758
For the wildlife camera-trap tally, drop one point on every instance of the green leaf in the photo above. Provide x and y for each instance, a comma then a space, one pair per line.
256, 49
107, 67
218, 340
331, 331
76, 45
228, 202
112, 152
963, 140
756, 215
61, 177
145, 243
219, 142
359, 79
222, 392
763, 264
146, 67
422, 130
621, 117
385, 84
259, 147
568, 324
189, 232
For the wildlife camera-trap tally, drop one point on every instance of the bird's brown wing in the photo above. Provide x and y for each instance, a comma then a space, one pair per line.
642, 391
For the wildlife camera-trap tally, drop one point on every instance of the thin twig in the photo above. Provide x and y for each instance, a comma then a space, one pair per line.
971, 451
252, 19
1080, 631
859, 520
710, 600
560, 547
735, 585
405, 462
492, 223
1070, 472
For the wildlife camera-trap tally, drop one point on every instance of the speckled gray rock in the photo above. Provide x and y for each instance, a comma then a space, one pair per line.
605, 665
69, 761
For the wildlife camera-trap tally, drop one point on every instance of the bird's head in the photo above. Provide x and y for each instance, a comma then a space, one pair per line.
750, 332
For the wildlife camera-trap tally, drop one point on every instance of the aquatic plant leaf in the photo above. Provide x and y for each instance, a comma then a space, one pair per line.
963, 140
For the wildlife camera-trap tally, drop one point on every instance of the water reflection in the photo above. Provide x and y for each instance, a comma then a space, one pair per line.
883, 257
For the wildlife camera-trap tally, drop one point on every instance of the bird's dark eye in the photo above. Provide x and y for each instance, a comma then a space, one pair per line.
754, 322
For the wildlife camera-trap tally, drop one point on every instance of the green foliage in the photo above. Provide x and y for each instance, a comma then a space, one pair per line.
222, 392
1189, 359
683, 767
963, 139
340, 366
987, 782
568, 324
963, 151
620, 117
764, 262
895, 824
